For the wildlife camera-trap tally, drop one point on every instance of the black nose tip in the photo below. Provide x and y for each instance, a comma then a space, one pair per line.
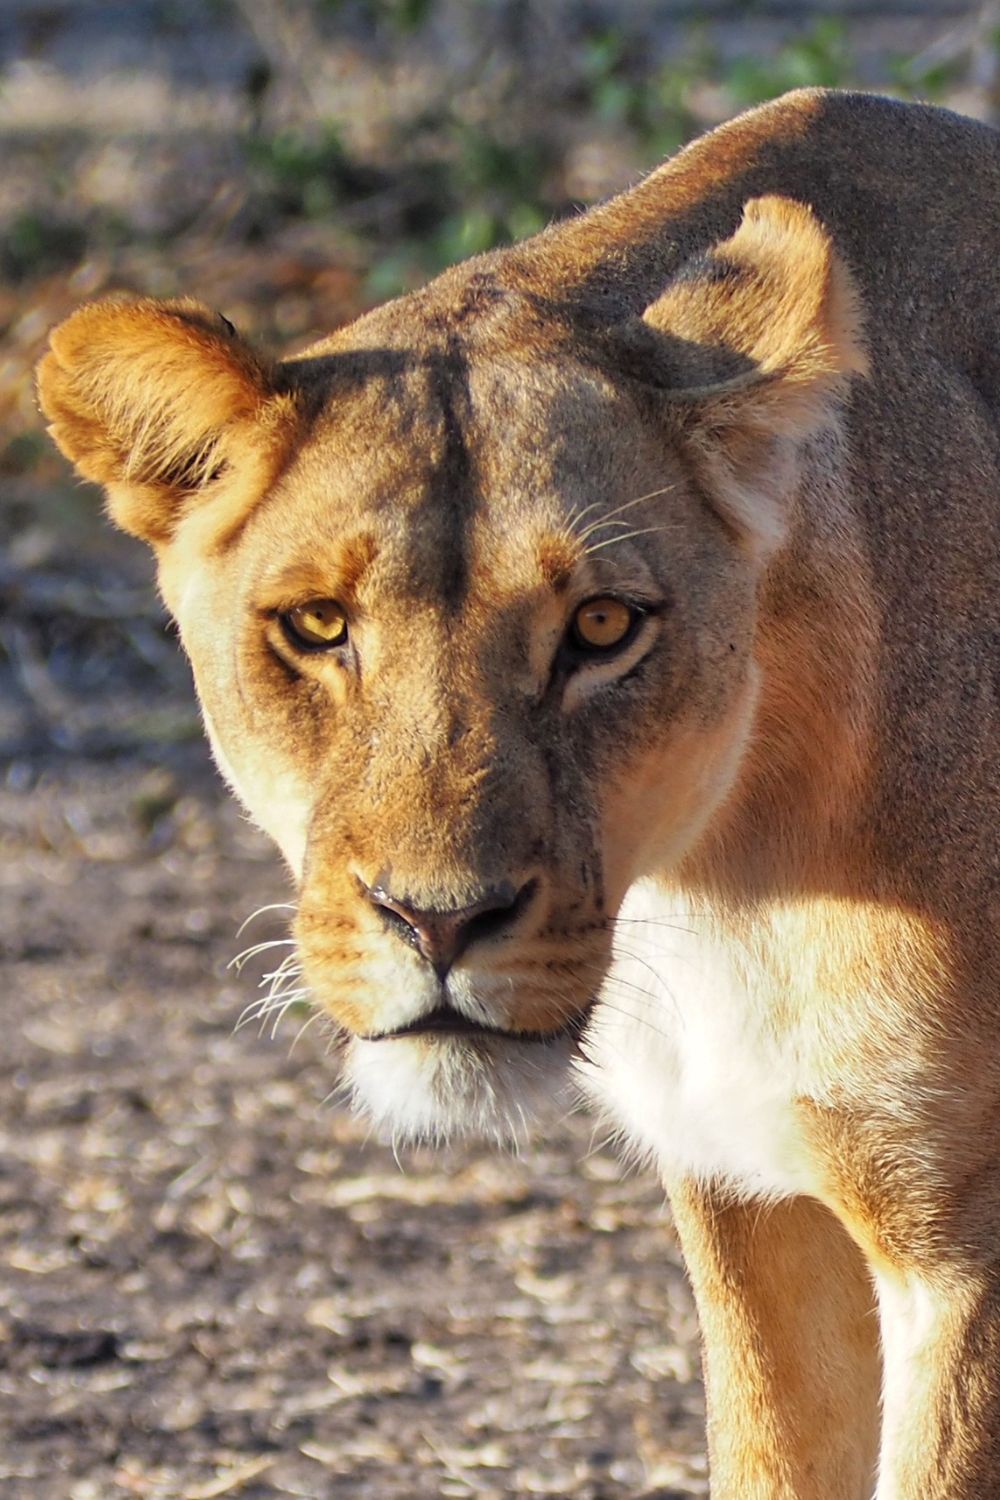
443, 935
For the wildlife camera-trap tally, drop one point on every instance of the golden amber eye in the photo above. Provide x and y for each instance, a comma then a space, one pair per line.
601, 624
318, 622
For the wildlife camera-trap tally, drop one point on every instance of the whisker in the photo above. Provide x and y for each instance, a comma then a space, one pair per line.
283, 997
280, 1011
631, 1015
638, 959
273, 906
725, 939
317, 1015
341, 1095
602, 1144
610, 540
266, 1006
564, 993
249, 1013
600, 525
279, 983
606, 976
655, 942
610, 980
617, 510
665, 921
285, 970
248, 953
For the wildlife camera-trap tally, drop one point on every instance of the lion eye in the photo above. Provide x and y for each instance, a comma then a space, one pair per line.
602, 624
317, 623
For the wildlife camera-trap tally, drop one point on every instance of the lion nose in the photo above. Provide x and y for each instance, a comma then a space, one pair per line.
441, 936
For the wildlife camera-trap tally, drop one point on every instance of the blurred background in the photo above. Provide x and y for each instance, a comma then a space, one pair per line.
212, 1283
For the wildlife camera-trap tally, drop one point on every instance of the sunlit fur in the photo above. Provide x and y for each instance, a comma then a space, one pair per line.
751, 857
426, 1090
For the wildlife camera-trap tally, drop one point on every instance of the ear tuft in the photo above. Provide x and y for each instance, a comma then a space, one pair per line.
151, 400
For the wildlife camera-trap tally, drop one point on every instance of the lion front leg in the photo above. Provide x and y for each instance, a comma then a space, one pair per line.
790, 1347
941, 1350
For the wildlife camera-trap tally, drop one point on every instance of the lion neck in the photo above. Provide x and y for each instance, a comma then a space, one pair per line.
797, 820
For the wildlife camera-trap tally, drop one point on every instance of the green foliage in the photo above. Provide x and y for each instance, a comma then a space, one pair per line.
36, 243
478, 167
481, 161
913, 78
819, 58
654, 107
298, 173
406, 15
658, 107
491, 194
606, 88
402, 15
500, 181
21, 453
475, 188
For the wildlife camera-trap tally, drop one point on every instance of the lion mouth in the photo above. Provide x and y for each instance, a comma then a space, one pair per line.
444, 1021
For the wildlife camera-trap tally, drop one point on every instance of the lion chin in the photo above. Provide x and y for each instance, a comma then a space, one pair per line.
438, 1089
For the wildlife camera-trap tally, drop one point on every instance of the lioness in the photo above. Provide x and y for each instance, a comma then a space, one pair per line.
609, 635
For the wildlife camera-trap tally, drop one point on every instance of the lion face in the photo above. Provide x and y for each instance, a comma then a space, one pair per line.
456, 778
471, 610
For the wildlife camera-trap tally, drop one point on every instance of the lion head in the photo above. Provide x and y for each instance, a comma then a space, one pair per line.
470, 592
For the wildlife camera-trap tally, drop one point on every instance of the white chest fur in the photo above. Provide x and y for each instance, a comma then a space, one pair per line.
686, 1054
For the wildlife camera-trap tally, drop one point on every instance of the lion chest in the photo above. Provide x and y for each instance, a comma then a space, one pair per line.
689, 1055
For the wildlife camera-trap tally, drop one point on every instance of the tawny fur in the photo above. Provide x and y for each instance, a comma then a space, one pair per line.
757, 399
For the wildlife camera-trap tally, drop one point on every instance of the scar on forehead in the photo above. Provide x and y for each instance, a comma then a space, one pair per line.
338, 568
558, 558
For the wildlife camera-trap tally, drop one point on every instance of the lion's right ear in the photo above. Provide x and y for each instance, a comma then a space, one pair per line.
164, 405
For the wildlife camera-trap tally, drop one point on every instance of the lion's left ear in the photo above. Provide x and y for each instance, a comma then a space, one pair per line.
166, 406
753, 343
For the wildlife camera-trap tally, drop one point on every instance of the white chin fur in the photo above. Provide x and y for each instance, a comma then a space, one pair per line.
439, 1088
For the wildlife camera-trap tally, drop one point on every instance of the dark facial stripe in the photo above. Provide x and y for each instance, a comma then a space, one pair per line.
453, 493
